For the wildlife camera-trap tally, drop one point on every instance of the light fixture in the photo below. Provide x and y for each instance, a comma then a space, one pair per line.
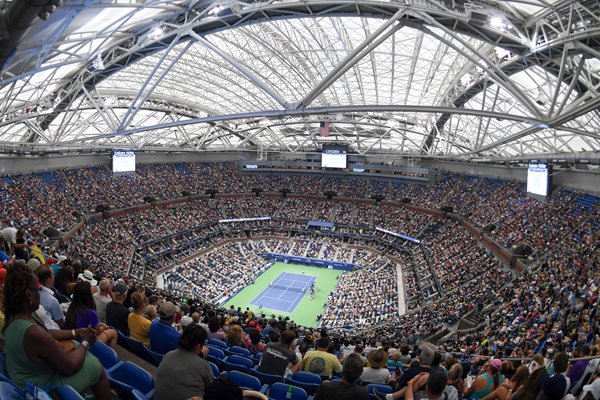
155, 33
499, 23
98, 64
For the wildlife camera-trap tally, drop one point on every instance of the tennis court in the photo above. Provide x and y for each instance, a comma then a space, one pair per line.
285, 293
305, 310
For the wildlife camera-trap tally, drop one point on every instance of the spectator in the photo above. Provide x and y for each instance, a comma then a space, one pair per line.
163, 336
116, 313
47, 299
280, 356
377, 371
346, 389
139, 326
183, 373
82, 314
102, 298
33, 354
321, 362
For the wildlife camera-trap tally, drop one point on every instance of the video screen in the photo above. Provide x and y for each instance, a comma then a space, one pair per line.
123, 161
537, 178
333, 157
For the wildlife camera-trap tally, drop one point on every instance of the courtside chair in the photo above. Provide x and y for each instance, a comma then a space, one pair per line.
217, 343
266, 378
386, 389
248, 382
129, 376
239, 351
237, 363
67, 392
283, 391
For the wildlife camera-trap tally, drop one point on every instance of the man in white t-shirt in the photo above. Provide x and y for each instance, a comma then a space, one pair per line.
102, 298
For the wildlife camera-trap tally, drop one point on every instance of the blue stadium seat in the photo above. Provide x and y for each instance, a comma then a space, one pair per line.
66, 392
11, 392
128, 376
216, 352
137, 395
246, 381
156, 357
240, 351
382, 388
237, 363
106, 355
306, 380
134, 346
266, 378
215, 369
217, 343
279, 391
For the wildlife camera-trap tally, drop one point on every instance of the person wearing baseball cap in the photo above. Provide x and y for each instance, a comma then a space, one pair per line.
487, 382
163, 337
116, 312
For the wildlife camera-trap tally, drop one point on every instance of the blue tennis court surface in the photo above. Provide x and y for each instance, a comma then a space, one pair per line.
285, 293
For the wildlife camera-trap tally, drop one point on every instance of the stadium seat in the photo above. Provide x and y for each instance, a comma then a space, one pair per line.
128, 376
107, 356
306, 380
3, 364
134, 346
11, 391
246, 381
67, 392
137, 395
215, 369
215, 356
279, 391
156, 357
266, 378
237, 363
382, 388
217, 343
240, 351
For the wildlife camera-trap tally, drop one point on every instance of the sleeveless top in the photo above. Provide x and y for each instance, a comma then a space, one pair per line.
489, 383
22, 371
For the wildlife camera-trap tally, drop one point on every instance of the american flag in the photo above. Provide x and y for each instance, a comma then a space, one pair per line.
324, 129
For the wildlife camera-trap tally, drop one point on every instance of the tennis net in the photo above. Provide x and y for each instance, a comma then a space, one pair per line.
286, 287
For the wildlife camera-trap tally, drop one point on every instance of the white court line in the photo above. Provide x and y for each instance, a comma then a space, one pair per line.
295, 298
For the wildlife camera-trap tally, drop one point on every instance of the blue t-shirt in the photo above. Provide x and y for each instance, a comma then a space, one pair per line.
3, 256
163, 337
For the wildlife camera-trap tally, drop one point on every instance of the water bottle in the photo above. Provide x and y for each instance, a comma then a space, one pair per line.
288, 395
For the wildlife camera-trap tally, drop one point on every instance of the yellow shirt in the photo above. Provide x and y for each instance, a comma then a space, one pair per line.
139, 328
321, 363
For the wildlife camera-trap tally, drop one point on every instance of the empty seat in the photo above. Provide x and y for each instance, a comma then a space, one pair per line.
105, 354
246, 381
134, 346
217, 343
283, 391
215, 369
266, 378
67, 392
239, 350
128, 376
237, 363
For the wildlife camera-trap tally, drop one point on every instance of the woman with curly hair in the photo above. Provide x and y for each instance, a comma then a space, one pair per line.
33, 353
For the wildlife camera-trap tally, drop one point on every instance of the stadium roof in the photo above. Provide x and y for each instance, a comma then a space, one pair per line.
462, 79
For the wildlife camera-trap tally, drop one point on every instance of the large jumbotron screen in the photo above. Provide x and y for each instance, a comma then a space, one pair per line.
333, 156
123, 161
538, 178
